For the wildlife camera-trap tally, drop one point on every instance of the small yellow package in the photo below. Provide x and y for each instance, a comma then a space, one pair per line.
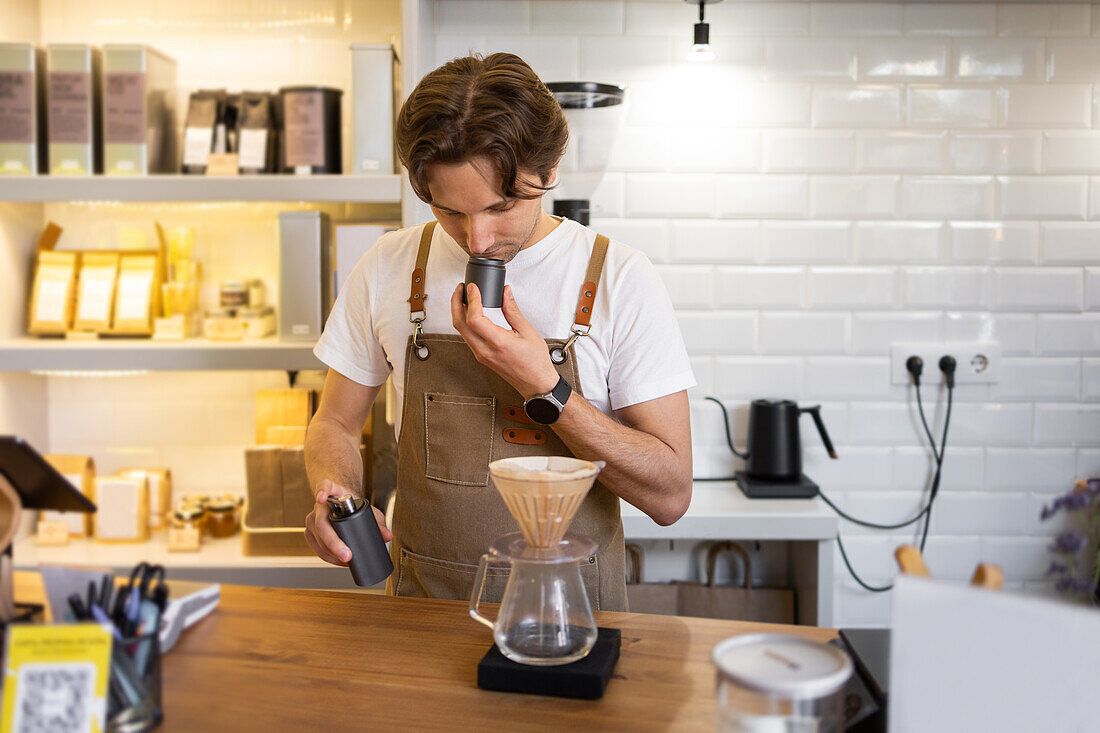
136, 294
55, 677
96, 291
53, 293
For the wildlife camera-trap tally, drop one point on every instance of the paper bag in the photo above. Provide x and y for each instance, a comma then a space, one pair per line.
642, 597
707, 600
730, 602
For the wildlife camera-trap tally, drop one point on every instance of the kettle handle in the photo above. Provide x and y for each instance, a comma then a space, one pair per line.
726, 425
475, 594
815, 413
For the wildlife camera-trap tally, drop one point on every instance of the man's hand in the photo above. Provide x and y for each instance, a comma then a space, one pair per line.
520, 356
319, 532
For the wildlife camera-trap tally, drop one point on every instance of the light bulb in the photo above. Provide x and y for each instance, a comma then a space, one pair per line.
700, 52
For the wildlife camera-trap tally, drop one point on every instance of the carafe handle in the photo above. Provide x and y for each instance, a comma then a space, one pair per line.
475, 594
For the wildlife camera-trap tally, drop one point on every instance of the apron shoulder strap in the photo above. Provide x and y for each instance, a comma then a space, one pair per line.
583, 317
416, 295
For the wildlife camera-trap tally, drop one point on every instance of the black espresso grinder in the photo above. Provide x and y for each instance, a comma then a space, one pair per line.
773, 461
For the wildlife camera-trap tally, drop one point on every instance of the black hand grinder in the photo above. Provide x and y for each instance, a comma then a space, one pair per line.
775, 445
354, 522
488, 275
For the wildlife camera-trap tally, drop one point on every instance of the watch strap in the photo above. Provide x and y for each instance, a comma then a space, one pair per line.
561, 391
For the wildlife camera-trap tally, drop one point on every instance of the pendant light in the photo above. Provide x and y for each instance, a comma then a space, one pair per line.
700, 49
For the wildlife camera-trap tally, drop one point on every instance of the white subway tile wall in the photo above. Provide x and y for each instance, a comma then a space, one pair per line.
880, 173
842, 177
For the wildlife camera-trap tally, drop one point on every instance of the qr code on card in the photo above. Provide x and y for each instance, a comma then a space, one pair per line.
55, 698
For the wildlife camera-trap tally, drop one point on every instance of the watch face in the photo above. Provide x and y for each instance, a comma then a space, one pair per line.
542, 410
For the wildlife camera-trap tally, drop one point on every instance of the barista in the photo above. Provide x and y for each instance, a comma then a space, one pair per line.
585, 357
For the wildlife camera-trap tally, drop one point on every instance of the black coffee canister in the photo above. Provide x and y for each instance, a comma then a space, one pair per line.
310, 139
354, 522
488, 275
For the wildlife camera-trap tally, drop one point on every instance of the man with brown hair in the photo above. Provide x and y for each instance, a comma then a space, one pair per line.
584, 358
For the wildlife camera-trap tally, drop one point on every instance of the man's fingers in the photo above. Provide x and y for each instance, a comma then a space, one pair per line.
515, 317
473, 303
379, 517
328, 488
321, 552
326, 536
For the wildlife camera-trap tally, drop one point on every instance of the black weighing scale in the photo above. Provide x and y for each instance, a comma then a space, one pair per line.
585, 678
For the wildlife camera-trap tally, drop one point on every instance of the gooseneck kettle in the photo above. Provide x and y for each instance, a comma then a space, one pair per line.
775, 445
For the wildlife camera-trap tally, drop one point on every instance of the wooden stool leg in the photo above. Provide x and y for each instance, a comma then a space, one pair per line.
988, 576
910, 561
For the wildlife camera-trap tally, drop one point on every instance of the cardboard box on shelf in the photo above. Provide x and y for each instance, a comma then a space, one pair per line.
73, 98
80, 472
122, 513
277, 501
283, 408
160, 493
22, 109
139, 110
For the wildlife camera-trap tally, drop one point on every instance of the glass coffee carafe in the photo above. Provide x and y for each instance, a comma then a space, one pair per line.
544, 618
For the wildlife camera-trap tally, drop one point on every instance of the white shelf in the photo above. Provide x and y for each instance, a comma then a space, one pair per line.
217, 561
44, 354
380, 189
720, 511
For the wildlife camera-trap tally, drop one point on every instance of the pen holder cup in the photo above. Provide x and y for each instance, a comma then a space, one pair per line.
134, 691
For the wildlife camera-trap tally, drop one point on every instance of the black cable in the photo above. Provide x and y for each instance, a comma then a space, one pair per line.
873, 525
873, 589
939, 466
924, 422
933, 492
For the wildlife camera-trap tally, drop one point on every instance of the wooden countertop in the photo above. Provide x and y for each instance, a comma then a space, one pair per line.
275, 659
272, 659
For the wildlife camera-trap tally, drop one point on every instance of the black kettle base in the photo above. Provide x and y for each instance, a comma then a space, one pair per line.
756, 488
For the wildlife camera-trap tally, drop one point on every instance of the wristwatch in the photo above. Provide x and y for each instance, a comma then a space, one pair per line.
546, 408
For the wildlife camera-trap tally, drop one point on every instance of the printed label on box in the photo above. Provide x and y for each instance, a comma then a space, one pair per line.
95, 299
17, 107
70, 95
253, 148
305, 129
53, 296
197, 142
124, 107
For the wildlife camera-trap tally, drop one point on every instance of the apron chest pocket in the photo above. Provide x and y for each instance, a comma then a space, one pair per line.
458, 438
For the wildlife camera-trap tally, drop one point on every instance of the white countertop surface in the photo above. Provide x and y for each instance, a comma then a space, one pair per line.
720, 511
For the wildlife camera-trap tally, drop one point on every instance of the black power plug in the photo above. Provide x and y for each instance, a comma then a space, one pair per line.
947, 366
915, 365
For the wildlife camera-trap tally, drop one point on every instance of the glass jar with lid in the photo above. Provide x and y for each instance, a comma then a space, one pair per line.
222, 516
780, 682
187, 516
185, 529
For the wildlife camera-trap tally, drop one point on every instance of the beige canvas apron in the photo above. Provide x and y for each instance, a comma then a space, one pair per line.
458, 416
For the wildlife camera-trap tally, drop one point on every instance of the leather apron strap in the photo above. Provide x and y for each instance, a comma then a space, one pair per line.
457, 417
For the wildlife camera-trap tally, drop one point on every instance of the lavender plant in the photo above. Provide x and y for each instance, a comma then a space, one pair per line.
1076, 569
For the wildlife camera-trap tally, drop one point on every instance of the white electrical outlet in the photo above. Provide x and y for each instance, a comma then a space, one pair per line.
978, 362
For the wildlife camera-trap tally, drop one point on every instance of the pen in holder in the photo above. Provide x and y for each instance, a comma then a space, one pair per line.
134, 690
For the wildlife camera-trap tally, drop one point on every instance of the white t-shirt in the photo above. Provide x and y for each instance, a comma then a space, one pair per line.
634, 351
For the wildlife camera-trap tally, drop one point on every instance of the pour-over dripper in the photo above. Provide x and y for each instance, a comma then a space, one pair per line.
543, 493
